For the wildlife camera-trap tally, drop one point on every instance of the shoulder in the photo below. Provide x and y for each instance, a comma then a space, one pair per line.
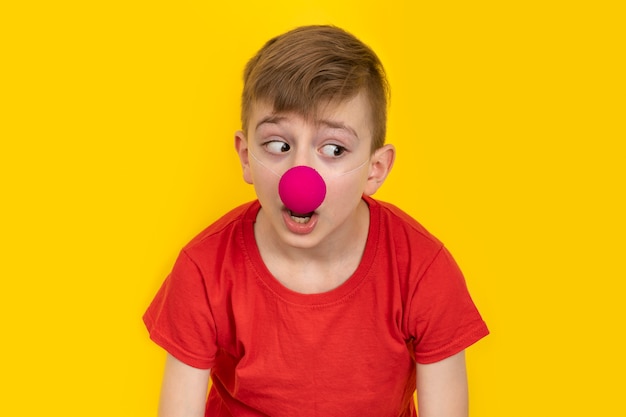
222, 245
224, 229
406, 246
396, 224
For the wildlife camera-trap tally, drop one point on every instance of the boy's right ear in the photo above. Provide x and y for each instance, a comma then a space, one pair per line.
241, 146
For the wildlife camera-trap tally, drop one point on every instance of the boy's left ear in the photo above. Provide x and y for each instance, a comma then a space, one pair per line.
380, 166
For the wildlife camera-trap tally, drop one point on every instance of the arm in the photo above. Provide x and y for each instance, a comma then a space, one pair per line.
184, 390
442, 388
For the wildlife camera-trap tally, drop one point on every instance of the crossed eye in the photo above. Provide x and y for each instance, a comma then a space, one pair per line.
329, 150
333, 150
277, 146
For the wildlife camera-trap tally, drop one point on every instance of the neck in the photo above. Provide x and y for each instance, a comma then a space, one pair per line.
317, 268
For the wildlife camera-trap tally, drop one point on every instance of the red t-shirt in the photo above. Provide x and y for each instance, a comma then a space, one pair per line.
350, 351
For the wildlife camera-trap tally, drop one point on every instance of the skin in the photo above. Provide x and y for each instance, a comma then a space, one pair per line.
442, 388
183, 390
323, 253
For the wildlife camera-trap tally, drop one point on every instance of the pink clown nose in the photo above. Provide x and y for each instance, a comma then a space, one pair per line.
302, 189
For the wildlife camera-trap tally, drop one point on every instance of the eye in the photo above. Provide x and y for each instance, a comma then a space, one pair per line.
333, 151
277, 147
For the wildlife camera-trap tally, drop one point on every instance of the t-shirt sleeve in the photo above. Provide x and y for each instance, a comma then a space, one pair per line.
179, 318
443, 318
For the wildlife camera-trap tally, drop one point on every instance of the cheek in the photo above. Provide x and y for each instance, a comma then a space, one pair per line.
343, 191
265, 183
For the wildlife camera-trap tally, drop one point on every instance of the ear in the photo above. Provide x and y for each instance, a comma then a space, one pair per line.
241, 146
380, 166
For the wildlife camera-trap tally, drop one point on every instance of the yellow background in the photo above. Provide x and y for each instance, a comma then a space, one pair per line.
116, 133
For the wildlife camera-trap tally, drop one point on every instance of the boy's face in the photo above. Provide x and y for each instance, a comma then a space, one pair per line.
337, 144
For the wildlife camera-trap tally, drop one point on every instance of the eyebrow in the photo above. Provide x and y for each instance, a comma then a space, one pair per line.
277, 118
338, 125
271, 119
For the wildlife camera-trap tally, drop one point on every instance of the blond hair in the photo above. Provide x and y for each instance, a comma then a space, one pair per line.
312, 65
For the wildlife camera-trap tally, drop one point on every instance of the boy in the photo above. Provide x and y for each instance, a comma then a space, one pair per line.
330, 305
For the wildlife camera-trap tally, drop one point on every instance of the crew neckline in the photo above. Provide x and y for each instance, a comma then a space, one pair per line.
334, 295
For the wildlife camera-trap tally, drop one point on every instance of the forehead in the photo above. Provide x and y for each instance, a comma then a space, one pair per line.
353, 114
